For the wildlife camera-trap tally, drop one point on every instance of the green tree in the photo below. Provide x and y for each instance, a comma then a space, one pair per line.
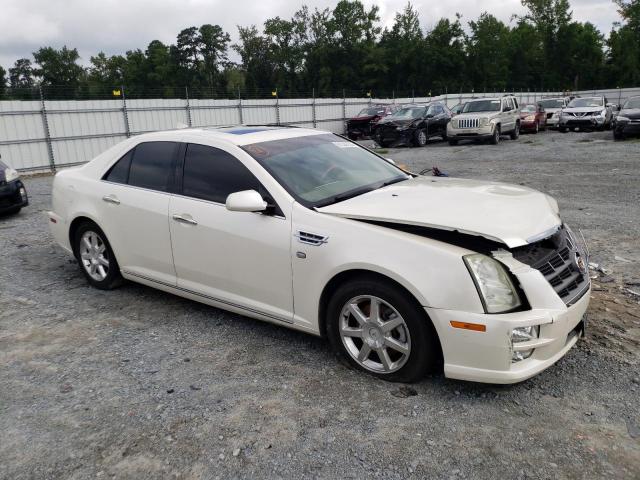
488, 64
213, 43
3, 81
253, 51
21, 74
444, 66
402, 51
59, 68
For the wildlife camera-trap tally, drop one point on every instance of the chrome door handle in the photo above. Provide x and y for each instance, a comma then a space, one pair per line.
111, 199
185, 219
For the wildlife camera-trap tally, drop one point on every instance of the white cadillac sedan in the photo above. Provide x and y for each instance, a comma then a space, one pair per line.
402, 273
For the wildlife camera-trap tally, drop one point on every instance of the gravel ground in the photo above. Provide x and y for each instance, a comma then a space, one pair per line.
136, 383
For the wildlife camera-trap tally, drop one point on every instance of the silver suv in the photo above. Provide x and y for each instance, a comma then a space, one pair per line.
486, 119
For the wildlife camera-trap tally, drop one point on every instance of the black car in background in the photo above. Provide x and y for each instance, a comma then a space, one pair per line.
13, 195
413, 125
363, 124
627, 122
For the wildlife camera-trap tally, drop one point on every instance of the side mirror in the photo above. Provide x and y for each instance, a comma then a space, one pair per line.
246, 201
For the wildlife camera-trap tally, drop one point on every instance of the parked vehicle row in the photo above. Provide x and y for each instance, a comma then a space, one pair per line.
490, 119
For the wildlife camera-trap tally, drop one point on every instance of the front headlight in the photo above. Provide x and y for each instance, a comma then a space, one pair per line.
10, 175
483, 122
622, 118
555, 114
497, 292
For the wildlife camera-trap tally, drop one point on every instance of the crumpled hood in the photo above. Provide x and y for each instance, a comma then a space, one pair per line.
511, 214
396, 122
365, 118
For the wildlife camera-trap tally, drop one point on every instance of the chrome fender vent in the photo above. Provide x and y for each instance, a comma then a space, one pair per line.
311, 238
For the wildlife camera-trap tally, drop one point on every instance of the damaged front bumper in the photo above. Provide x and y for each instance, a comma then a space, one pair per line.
487, 356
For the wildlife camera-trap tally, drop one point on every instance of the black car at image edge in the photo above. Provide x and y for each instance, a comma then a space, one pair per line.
627, 122
13, 195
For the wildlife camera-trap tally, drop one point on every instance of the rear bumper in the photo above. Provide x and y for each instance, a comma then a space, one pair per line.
486, 356
13, 195
60, 231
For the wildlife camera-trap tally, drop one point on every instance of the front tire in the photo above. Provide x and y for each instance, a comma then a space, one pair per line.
95, 257
420, 138
377, 327
495, 138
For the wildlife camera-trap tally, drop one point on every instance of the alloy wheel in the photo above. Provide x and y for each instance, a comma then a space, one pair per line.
94, 256
375, 334
422, 138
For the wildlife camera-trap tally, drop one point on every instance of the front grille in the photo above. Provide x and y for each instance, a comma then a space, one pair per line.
562, 263
468, 123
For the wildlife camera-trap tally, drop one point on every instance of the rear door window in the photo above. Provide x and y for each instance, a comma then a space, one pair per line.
119, 173
212, 174
152, 165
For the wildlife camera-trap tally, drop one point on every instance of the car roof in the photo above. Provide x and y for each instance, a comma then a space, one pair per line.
235, 134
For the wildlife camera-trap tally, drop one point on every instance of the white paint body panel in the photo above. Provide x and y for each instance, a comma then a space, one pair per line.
256, 265
489, 209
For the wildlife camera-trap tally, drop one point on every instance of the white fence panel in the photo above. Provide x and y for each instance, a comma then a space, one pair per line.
71, 152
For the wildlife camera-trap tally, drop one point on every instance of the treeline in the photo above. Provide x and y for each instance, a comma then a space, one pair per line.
345, 49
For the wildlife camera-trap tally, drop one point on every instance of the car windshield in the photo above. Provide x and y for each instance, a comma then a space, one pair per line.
322, 169
631, 103
551, 103
586, 102
370, 112
529, 108
482, 106
409, 112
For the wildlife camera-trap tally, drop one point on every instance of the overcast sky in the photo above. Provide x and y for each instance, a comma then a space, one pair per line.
114, 26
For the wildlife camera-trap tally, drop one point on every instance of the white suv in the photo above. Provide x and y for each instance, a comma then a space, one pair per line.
302, 228
486, 119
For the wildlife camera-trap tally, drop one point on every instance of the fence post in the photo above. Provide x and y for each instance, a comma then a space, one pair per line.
619, 97
47, 133
413, 96
277, 108
344, 110
127, 129
186, 93
393, 96
313, 108
240, 107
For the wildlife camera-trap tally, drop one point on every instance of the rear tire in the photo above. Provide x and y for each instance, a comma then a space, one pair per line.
398, 344
516, 132
96, 258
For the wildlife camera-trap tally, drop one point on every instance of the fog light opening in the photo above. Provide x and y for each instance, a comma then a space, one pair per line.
521, 355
